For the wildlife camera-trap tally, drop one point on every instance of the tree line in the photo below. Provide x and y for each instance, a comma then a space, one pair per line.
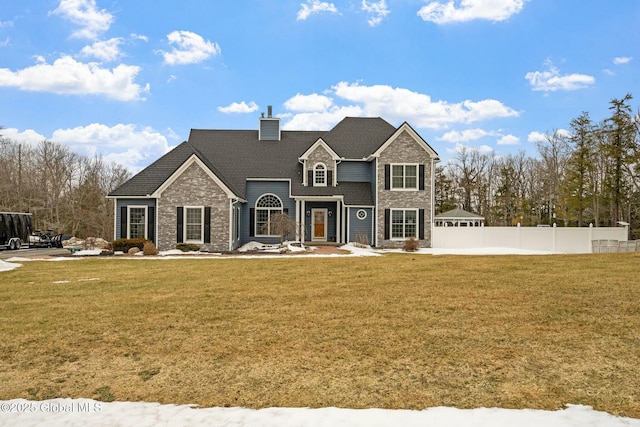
64, 191
588, 175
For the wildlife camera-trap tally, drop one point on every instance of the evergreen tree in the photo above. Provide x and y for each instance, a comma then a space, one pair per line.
577, 189
620, 147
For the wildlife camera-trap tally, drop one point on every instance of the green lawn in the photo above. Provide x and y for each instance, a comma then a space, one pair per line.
399, 331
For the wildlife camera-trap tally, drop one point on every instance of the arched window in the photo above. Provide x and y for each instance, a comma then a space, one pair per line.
266, 206
319, 175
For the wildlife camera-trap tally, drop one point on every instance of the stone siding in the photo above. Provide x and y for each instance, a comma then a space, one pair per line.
321, 155
194, 188
404, 149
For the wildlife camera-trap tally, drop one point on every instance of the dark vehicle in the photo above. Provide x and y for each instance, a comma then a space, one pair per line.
15, 229
45, 240
16, 232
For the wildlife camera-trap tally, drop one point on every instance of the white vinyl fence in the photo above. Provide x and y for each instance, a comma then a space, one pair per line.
572, 240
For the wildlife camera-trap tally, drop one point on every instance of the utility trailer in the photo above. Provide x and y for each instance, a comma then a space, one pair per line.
15, 229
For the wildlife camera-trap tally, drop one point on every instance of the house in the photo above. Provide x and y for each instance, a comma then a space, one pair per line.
458, 218
364, 180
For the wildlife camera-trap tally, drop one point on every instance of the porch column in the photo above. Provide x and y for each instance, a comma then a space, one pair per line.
338, 222
303, 216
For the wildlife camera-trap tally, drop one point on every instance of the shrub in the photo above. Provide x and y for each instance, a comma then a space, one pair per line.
125, 244
188, 247
149, 248
410, 245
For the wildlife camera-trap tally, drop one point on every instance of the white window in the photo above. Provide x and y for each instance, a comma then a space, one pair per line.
361, 214
267, 206
319, 175
404, 223
404, 177
194, 224
137, 222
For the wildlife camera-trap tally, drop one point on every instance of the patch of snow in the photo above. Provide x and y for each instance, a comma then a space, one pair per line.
7, 266
251, 246
288, 246
359, 250
91, 413
88, 252
171, 252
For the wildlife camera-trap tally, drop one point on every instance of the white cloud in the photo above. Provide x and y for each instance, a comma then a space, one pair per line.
550, 79
139, 37
320, 112
536, 136
322, 120
465, 135
312, 7
239, 107
399, 104
127, 144
85, 13
189, 48
469, 10
308, 103
107, 50
509, 140
377, 10
622, 60
28, 136
5, 42
460, 147
68, 76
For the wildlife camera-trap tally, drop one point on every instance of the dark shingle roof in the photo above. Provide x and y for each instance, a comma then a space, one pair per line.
358, 137
237, 155
458, 213
149, 179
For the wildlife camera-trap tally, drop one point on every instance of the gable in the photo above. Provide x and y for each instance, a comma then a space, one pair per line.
320, 149
406, 130
190, 162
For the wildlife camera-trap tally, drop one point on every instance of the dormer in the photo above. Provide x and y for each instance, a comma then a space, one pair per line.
319, 163
269, 129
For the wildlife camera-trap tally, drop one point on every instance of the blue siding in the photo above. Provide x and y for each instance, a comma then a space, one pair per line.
359, 227
355, 172
120, 203
269, 129
254, 190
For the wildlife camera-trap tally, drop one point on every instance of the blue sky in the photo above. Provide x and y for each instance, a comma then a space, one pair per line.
127, 80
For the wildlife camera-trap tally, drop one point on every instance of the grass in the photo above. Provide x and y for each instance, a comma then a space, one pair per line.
401, 331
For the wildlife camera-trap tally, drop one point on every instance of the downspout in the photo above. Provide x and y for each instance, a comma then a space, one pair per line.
231, 218
375, 205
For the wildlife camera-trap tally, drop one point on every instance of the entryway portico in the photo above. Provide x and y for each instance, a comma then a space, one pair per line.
320, 219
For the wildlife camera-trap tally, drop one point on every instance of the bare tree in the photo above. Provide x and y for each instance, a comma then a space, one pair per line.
283, 225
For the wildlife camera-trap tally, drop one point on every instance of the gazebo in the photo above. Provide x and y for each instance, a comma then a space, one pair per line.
458, 218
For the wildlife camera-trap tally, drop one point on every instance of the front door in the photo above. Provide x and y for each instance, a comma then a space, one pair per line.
319, 224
